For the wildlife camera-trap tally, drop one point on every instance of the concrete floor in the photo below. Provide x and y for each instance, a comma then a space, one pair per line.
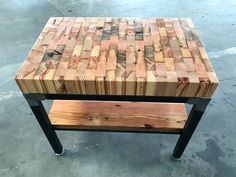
24, 150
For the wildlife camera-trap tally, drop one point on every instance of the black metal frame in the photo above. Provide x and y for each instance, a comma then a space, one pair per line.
198, 108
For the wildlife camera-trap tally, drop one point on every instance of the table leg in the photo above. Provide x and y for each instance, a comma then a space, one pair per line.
190, 125
43, 120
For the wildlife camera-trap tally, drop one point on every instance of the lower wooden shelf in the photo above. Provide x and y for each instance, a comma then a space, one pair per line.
118, 116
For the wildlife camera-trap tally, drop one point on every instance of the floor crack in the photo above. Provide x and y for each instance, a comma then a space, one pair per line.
228, 99
227, 79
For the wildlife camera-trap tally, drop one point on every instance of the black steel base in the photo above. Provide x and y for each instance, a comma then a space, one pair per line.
198, 108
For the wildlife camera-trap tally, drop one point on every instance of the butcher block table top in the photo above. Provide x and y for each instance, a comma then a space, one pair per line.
118, 56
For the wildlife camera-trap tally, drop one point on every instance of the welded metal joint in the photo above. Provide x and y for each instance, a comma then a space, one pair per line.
199, 103
32, 96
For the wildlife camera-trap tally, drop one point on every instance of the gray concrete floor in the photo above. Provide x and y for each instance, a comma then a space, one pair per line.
24, 150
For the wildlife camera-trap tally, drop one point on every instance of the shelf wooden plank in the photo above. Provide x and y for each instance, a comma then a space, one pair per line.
118, 116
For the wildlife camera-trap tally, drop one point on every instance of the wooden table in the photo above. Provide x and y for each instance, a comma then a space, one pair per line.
133, 62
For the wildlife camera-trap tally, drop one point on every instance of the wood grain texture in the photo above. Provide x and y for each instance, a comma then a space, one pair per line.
118, 56
118, 116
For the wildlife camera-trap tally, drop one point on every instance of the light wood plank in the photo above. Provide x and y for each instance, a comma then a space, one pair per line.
118, 116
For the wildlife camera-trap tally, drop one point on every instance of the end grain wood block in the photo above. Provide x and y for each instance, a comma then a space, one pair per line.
119, 56
128, 116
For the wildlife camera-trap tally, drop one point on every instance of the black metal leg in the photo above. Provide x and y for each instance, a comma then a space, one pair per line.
43, 120
191, 124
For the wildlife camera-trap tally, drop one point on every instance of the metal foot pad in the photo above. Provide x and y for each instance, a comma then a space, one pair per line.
63, 150
173, 158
